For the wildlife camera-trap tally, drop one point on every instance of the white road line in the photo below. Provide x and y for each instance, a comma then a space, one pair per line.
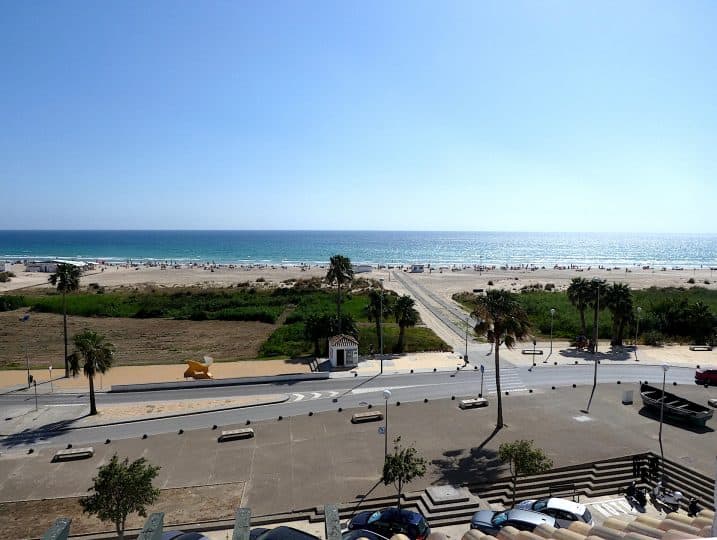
299, 397
315, 395
333, 394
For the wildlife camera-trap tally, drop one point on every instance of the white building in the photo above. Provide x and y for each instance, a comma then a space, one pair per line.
417, 268
51, 266
343, 350
361, 268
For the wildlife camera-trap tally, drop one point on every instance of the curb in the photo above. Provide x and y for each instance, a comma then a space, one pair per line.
210, 383
178, 415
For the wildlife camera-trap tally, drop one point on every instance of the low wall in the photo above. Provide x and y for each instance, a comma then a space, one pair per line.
208, 383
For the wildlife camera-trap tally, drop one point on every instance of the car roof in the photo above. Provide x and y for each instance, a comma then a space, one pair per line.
530, 517
407, 516
286, 533
566, 505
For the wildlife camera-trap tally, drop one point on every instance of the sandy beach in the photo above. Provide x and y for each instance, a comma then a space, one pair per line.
445, 280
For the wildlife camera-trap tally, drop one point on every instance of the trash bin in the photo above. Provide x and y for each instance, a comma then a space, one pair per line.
627, 397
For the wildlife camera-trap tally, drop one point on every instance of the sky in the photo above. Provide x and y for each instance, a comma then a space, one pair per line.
389, 115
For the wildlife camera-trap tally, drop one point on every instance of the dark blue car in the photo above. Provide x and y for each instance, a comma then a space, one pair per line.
390, 521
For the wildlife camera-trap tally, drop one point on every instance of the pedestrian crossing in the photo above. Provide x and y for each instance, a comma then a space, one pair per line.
611, 507
510, 381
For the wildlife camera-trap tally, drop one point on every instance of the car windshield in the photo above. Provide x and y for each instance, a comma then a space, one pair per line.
374, 517
540, 505
587, 516
499, 519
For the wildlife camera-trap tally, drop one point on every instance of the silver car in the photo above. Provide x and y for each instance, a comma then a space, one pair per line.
491, 522
563, 510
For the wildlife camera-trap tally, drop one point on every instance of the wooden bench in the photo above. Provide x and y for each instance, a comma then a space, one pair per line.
473, 403
537, 352
370, 416
233, 434
73, 453
700, 348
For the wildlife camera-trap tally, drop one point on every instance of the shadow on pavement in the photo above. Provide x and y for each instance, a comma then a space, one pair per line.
43, 433
614, 354
648, 412
475, 465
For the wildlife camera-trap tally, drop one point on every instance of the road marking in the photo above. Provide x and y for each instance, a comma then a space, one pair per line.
299, 397
333, 394
315, 395
612, 507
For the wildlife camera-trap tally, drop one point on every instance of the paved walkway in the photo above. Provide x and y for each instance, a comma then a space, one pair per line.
304, 461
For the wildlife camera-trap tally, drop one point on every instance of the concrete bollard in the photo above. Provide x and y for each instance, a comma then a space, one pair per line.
107, 441
69, 446
214, 426
425, 400
311, 413
248, 422
30, 450
280, 418
181, 432
144, 436
530, 391
340, 409
398, 404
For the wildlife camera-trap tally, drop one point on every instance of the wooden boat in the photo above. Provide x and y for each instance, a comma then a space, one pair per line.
675, 406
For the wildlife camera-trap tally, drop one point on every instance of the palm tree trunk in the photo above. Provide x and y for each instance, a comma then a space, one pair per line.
93, 406
401, 337
317, 352
64, 324
583, 328
499, 423
515, 487
400, 488
620, 331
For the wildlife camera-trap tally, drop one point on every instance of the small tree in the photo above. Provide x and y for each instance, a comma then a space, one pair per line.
523, 458
121, 488
402, 467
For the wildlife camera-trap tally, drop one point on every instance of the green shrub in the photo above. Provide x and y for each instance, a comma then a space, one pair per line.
490, 283
10, 303
653, 338
4, 277
691, 281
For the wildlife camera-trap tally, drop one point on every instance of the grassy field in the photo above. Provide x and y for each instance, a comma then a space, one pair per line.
154, 326
566, 323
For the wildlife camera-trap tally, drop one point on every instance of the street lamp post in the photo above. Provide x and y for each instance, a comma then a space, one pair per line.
380, 326
552, 315
49, 368
24, 319
637, 328
595, 333
386, 396
597, 314
665, 368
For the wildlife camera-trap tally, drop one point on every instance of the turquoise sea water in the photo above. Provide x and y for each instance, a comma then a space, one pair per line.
376, 247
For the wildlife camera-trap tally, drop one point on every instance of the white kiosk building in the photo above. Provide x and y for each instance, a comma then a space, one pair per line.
343, 350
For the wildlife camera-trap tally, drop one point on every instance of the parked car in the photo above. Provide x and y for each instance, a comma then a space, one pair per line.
180, 535
390, 521
563, 510
707, 375
280, 533
491, 522
362, 533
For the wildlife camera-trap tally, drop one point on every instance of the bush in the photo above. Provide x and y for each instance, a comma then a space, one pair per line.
707, 282
550, 286
10, 303
691, 281
260, 280
654, 338
4, 277
490, 283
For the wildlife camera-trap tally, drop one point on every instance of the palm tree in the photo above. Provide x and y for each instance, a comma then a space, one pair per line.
340, 272
67, 279
618, 299
97, 354
579, 294
503, 321
598, 288
378, 309
702, 323
406, 315
316, 328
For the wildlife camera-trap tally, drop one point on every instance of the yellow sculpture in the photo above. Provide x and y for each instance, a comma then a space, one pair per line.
199, 370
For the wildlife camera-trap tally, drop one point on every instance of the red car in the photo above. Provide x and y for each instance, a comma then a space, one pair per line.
707, 375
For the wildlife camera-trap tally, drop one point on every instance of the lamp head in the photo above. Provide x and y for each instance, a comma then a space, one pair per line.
552, 311
386, 394
665, 367
639, 309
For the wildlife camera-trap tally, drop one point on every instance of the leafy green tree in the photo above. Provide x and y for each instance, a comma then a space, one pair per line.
97, 355
503, 321
523, 458
402, 467
120, 489
316, 328
378, 308
344, 325
341, 273
618, 299
67, 280
406, 315
579, 294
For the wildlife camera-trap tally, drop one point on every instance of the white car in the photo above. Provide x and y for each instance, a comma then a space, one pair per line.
563, 510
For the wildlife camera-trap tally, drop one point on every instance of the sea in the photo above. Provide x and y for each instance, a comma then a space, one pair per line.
364, 247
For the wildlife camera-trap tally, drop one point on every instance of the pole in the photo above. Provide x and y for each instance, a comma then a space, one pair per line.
380, 326
50, 369
552, 314
662, 413
637, 328
35, 384
24, 319
597, 316
386, 396
481, 380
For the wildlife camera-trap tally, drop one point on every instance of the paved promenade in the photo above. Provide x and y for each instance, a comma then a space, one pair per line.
304, 461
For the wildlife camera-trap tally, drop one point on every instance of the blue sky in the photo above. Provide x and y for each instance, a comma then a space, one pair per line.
476, 115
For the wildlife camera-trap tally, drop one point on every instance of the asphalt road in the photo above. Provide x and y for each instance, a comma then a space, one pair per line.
319, 396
